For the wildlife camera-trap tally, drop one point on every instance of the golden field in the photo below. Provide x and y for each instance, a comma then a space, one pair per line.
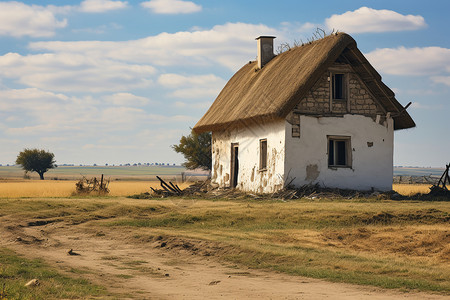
411, 189
65, 188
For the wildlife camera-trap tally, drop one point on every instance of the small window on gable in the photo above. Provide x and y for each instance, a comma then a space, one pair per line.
339, 87
263, 154
339, 151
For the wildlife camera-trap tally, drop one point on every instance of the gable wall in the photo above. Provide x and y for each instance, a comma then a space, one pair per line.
318, 99
312, 121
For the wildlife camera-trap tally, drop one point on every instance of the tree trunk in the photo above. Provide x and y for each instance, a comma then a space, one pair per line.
41, 175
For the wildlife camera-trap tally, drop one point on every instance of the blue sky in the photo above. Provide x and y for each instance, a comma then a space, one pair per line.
100, 81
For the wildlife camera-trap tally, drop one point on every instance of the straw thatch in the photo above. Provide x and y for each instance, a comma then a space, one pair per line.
254, 95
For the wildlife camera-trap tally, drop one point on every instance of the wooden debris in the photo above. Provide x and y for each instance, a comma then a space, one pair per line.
440, 190
445, 179
93, 185
208, 190
171, 189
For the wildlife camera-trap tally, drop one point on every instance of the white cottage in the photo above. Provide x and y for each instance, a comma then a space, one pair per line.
317, 113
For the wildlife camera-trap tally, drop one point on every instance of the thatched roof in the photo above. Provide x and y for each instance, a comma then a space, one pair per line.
254, 95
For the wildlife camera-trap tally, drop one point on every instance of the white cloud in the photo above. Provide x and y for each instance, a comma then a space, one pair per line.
197, 105
441, 79
176, 80
30, 93
82, 118
194, 86
427, 61
229, 45
127, 99
98, 6
195, 93
74, 72
367, 19
18, 19
58, 79
172, 6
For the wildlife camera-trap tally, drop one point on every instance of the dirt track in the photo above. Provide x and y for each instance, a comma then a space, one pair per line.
167, 268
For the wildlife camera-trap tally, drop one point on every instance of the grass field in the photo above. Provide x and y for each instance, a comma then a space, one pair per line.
66, 188
390, 244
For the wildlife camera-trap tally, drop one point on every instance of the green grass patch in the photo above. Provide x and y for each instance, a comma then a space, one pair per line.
16, 271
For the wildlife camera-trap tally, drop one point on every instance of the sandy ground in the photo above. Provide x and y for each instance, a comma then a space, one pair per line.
166, 268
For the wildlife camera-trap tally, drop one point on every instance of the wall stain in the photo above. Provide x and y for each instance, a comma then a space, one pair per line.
312, 172
216, 166
253, 175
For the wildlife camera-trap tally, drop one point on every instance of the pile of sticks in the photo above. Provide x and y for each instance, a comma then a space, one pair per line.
168, 189
88, 186
445, 179
440, 189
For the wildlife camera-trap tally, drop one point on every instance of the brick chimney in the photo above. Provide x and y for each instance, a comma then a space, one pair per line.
265, 50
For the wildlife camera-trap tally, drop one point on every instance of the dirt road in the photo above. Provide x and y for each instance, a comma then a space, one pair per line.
166, 268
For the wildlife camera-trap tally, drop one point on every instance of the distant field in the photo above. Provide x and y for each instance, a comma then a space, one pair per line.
418, 171
113, 172
146, 172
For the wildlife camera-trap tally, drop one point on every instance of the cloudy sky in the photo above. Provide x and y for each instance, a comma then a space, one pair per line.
101, 81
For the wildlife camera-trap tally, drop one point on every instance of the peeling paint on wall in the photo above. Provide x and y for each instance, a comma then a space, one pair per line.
250, 178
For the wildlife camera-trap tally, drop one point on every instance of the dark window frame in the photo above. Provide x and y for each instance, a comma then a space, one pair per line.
263, 154
339, 86
339, 151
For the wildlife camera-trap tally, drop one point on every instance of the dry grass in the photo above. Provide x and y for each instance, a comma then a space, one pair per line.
411, 189
63, 188
391, 244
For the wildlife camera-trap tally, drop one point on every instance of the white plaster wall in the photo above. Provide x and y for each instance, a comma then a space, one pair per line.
249, 177
372, 167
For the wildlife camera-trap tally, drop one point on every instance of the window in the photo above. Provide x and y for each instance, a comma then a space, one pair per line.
339, 151
263, 154
339, 87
